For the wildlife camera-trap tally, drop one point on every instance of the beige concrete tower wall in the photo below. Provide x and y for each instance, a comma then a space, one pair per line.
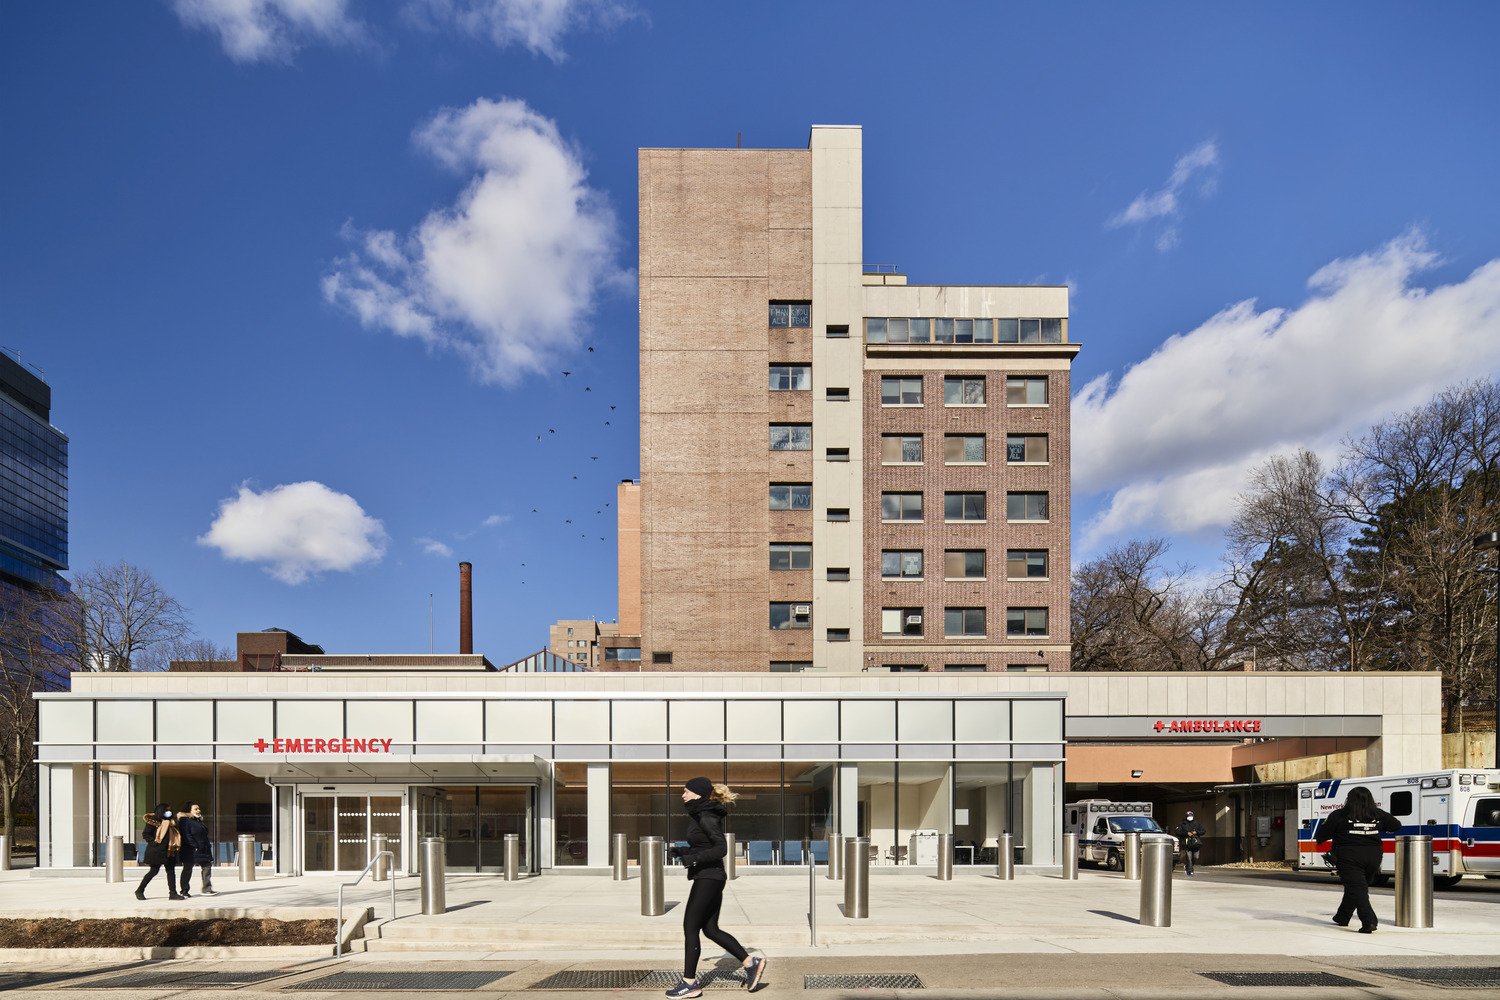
837, 265
722, 233
933, 477
628, 559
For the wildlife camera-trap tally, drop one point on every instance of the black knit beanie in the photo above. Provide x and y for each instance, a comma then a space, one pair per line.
701, 787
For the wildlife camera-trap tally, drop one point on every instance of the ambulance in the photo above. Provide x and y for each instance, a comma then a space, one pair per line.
1101, 826
1459, 810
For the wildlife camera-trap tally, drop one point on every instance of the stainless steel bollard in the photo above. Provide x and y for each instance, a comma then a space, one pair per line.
434, 876
1414, 881
653, 887
5, 855
1005, 864
730, 868
1156, 882
114, 859
510, 856
945, 857
1070, 856
1130, 854
620, 861
857, 877
379, 844
246, 859
835, 858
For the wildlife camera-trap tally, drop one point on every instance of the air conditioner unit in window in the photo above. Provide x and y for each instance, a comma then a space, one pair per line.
801, 610
913, 619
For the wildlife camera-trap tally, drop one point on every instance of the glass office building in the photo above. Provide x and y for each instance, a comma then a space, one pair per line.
33, 482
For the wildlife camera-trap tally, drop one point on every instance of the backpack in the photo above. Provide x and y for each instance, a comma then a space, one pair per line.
1192, 842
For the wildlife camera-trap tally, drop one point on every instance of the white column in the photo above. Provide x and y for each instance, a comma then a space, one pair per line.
598, 815
1043, 814
848, 805
65, 828
546, 804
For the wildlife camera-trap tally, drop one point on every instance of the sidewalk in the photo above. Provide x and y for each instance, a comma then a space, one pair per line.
912, 914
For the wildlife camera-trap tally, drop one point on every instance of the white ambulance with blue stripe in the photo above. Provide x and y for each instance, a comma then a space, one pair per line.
1101, 826
1459, 810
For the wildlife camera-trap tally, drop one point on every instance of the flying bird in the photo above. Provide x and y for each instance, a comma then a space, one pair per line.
591, 350
606, 423
551, 430
611, 406
566, 374
567, 520
594, 458
587, 389
533, 510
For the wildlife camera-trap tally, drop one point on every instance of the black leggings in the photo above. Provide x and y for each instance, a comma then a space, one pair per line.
156, 866
702, 914
1358, 867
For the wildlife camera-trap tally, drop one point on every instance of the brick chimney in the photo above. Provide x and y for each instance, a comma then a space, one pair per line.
465, 608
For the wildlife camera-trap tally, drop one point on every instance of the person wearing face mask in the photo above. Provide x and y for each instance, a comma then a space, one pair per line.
703, 856
163, 841
196, 849
1190, 834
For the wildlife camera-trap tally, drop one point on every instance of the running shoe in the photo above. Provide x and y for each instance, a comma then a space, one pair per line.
753, 972
686, 989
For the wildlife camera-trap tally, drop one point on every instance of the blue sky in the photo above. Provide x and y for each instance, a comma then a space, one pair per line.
284, 274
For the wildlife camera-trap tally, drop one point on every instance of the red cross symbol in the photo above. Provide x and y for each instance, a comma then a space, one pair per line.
261, 744
1159, 726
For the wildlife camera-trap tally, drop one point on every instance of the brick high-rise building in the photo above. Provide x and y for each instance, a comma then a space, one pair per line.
839, 470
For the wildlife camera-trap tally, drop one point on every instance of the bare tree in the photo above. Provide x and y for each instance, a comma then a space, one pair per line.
122, 615
1131, 612
33, 626
189, 649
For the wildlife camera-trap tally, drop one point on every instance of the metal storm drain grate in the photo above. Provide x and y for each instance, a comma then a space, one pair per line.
667, 978
593, 979
1281, 979
452, 981
1480, 977
889, 981
26, 980
177, 978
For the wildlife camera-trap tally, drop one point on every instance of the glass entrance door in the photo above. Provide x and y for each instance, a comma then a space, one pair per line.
338, 830
473, 821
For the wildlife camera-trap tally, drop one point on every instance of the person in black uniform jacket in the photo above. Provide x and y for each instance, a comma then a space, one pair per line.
163, 841
704, 859
1190, 834
196, 848
1355, 831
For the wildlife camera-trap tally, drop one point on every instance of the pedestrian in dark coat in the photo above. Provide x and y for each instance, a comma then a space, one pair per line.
163, 842
704, 859
1356, 830
197, 849
1190, 834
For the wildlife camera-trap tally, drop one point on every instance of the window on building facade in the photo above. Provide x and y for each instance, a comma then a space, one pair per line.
791, 437
791, 496
1026, 564
837, 454
1026, 506
660, 658
1026, 622
901, 506
838, 513
901, 623
963, 506
791, 614
838, 574
901, 449
791, 555
905, 668
1028, 448
839, 331
963, 449
791, 314
838, 394
1026, 668
790, 666
898, 390
785, 378
963, 564
901, 564
963, 668
963, 623
1026, 390
838, 635
963, 390
622, 653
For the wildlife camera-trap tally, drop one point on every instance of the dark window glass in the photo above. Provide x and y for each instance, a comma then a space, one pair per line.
963, 622
791, 555
896, 563
791, 437
963, 506
901, 506
1026, 506
791, 496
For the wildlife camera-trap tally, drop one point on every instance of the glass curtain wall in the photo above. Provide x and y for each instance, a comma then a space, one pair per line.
570, 803
638, 804
233, 803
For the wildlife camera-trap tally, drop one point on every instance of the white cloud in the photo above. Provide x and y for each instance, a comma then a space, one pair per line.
296, 530
539, 25
433, 547
270, 30
495, 520
1171, 441
508, 276
1166, 203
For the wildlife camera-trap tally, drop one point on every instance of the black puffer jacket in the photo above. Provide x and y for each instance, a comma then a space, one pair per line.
704, 857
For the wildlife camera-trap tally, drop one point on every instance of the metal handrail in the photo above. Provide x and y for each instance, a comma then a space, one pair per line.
338, 930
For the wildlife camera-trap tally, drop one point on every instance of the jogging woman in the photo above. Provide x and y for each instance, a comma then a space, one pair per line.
1355, 831
704, 859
